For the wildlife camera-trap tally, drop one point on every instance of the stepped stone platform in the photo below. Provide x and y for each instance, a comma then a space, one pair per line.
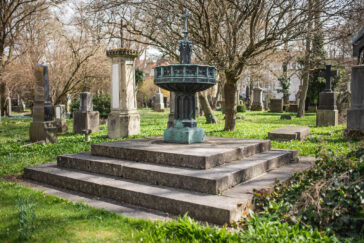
210, 181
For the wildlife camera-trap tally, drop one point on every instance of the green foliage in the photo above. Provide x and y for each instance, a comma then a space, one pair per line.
139, 76
26, 217
241, 108
102, 104
327, 196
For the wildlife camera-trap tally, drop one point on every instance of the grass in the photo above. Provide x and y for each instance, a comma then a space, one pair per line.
14, 134
58, 220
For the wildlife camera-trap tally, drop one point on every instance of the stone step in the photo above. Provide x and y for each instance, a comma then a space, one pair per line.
213, 152
212, 181
204, 207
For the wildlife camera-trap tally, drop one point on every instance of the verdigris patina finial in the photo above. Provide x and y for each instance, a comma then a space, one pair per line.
186, 15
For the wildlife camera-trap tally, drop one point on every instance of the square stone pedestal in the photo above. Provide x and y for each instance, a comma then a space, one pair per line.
355, 124
121, 125
327, 118
85, 120
46, 131
184, 135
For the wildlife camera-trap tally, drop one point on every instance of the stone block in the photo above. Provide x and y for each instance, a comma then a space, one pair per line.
121, 125
85, 120
327, 118
46, 131
327, 101
184, 135
257, 107
293, 108
312, 109
286, 117
276, 105
288, 133
356, 119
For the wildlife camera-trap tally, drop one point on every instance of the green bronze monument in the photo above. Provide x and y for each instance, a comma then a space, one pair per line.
185, 79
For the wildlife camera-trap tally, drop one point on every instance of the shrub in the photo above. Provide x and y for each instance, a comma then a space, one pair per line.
241, 108
26, 218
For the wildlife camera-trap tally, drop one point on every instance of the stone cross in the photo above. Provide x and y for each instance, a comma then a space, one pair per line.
327, 74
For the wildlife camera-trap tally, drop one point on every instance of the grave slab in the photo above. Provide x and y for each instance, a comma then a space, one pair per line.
288, 133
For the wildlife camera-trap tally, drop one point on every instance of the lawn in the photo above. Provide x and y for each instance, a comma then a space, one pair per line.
58, 220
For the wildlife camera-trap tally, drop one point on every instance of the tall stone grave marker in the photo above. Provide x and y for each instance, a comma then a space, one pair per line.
355, 116
257, 99
61, 122
42, 127
86, 118
158, 102
327, 113
124, 119
9, 109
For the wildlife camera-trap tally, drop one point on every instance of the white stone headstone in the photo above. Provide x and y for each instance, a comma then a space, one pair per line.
58, 112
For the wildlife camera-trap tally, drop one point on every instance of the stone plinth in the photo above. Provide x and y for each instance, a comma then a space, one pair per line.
293, 108
158, 102
85, 118
61, 122
124, 119
276, 105
42, 127
312, 109
355, 116
288, 133
327, 113
257, 100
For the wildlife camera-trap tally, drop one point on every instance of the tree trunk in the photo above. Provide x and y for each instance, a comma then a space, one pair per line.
216, 99
2, 98
230, 88
205, 105
306, 73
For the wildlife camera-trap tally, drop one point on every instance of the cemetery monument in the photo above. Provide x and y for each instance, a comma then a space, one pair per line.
276, 105
257, 99
124, 119
61, 122
158, 101
355, 117
85, 118
42, 127
327, 113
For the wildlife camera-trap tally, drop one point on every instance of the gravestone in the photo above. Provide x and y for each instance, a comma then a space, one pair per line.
172, 97
355, 115
42, 127
312, 109
158, 103
276, 105
257, 99
327, 113
286, 117
61, 122
247, 95
288, 133
85, 118
124, 119
293, 108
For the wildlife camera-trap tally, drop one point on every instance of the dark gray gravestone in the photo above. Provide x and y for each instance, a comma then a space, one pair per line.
355, 115
276, 105
286, 117
42, 127
327, 113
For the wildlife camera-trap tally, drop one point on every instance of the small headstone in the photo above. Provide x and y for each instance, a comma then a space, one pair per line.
85, 118
257, 99
158, 101
293, 108
288, 133
327, 113
240, 117
42, 127
61, 122
286, 117
276, 105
